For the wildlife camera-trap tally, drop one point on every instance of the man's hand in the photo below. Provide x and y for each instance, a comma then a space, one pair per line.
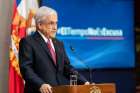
87, 83
45, 88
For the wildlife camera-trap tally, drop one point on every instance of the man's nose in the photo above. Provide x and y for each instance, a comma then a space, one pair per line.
55, 27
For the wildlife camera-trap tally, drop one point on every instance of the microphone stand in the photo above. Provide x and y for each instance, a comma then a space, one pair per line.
80, 60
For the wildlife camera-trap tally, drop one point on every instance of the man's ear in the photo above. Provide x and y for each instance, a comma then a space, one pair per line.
39, 26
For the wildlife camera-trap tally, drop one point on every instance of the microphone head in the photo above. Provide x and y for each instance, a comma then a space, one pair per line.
72, 48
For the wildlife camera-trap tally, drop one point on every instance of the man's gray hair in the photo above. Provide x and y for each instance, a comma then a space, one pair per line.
42, 12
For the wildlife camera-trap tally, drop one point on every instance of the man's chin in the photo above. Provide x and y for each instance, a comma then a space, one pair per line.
53, 36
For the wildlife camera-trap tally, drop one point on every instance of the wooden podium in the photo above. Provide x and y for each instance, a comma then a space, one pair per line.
97, 88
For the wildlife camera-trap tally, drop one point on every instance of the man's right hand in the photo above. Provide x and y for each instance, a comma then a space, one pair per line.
45, 88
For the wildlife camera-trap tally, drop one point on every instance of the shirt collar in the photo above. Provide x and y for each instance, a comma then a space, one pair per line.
46, 40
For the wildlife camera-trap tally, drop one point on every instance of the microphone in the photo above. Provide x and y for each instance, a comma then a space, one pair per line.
81, 61
72, 48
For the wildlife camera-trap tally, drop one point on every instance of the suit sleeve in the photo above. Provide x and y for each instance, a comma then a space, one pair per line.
69, 69
26, 60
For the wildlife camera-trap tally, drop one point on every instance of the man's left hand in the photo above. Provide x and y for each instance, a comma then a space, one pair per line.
87, 83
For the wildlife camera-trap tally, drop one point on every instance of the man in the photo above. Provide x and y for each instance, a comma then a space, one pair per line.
43, 61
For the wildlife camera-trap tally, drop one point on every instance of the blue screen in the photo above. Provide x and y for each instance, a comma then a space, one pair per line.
96, 33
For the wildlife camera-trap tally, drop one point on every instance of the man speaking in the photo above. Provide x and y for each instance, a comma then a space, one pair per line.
43, 60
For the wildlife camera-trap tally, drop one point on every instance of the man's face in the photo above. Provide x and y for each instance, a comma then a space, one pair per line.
49, 26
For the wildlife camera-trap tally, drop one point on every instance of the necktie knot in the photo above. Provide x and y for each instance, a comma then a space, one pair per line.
53, 54
49, 44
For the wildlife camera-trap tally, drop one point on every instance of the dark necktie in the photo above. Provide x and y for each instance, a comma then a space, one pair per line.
53, 54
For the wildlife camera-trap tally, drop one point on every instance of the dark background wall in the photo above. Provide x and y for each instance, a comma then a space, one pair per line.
137, 24
123, 78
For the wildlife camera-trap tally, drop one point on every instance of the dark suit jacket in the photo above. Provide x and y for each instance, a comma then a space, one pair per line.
37, 66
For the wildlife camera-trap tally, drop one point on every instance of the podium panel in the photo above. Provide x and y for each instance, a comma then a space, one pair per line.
96, 88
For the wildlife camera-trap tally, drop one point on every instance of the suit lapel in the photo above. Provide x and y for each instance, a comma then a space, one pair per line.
58, 52
43, 44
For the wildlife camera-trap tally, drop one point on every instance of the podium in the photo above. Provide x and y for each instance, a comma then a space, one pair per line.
96, 88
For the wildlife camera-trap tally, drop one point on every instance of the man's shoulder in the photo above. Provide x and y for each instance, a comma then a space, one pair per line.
28, 38
55, 40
